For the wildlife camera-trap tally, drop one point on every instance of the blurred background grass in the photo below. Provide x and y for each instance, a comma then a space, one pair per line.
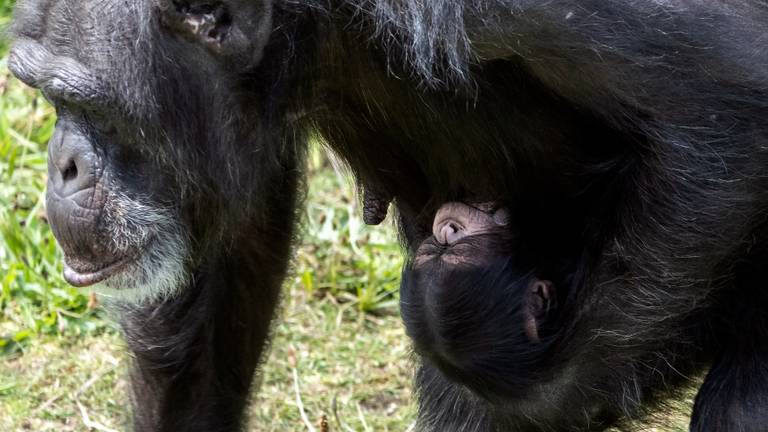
339, 354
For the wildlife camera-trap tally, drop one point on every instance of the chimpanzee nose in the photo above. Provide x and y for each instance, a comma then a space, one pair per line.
449, 232
72, 162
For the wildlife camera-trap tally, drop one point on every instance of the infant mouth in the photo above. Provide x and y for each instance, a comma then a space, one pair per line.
88, 278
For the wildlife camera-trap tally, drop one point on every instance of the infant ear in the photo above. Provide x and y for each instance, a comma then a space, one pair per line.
542, 294
543, 288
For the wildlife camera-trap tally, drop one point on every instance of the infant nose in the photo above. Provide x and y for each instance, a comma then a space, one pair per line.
449, 232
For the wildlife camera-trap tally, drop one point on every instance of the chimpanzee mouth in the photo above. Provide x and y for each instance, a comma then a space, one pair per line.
88, 278
132, 250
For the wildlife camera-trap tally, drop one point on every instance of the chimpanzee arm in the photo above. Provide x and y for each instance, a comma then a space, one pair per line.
195, 355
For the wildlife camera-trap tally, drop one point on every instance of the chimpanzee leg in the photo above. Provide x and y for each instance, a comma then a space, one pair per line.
195, 355
734, 396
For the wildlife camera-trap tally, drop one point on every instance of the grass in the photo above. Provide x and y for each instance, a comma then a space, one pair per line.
339, 353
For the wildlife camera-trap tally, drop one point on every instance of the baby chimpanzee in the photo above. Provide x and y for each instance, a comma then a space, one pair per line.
470, 298
467, 240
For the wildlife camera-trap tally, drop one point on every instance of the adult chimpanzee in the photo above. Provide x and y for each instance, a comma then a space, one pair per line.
632, 133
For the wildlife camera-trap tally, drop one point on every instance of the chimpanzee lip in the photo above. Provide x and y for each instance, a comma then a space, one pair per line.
84, 279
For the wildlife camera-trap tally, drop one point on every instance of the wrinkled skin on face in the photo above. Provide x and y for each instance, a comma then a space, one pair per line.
120, 200
115, 228
456, 221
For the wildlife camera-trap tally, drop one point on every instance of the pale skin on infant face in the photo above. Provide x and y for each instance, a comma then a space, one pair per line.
540, 301
454, 225
455, 221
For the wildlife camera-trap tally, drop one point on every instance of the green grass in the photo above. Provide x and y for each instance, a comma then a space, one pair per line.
339, 351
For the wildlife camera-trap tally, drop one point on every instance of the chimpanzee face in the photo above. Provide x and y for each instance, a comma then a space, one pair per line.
466, 235
472, 307
146, 114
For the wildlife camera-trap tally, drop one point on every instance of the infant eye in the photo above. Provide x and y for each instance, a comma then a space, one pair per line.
501, 216
485, 207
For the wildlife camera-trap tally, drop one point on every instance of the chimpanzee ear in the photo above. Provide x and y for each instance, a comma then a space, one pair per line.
206, 22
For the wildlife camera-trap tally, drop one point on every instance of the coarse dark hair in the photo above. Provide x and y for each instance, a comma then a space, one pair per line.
629, 135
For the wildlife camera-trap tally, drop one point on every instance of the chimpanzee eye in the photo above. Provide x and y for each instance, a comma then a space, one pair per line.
51, 99
47, 97
100, 122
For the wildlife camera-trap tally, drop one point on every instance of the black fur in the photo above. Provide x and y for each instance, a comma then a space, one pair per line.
466, 349
633, 133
